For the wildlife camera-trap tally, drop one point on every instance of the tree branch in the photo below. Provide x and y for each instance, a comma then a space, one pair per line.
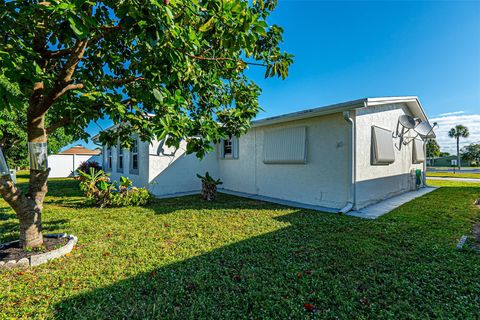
12, 195
124, 81
52, 54
106, 31
63, 83
57, 125
72, 86
224, 59
57, 53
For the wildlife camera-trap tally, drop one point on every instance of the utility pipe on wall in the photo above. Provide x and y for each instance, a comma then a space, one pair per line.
351, 203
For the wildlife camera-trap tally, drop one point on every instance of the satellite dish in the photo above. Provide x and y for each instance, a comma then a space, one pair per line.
407, 121
424, 130
405, 124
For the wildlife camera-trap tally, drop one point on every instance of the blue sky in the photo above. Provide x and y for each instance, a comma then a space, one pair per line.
346, 50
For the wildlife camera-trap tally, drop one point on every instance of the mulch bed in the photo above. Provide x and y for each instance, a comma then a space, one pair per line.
15, 252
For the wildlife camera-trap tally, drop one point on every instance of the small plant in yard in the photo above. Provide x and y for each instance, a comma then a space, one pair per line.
35, 249
86, 166
90, 180
101, 192
125, 184
209, 186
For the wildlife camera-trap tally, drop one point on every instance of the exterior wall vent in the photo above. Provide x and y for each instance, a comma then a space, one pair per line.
418, 152
382, 146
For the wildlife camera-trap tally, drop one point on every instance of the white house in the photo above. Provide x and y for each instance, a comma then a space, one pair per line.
334, 158
64, 164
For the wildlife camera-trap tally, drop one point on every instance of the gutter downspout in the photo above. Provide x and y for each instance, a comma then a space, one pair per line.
351, 203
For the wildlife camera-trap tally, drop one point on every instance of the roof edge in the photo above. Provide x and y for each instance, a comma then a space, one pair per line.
309, 113
412, 102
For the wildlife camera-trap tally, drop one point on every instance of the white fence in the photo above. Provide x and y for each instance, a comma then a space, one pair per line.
64, 165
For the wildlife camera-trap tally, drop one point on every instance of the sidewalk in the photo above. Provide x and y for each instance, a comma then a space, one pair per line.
455, 179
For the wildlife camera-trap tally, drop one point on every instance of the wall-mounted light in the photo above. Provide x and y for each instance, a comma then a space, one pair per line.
3, 165
37, 155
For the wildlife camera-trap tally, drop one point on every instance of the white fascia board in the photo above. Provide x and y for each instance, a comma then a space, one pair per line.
310, 113
411, 101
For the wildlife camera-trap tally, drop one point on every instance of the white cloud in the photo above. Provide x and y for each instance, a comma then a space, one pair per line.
445, 123
450, 113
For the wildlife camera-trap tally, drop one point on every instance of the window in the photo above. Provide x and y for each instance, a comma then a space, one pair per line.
134, 157
119, 158
382, 146
418, 151
229, 148
108, 165
285, 146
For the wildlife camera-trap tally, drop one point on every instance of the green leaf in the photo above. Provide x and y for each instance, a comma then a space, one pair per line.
207, 25
169, 12
158, 95
77, 26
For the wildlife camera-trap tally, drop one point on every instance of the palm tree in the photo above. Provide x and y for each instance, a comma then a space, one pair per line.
458, 132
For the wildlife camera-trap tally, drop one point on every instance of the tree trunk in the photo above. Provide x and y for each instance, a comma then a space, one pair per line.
458, 153
28, 207
31, 216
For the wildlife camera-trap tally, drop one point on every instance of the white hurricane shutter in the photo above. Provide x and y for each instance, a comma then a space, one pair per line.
285, 146
382, 143
235, 147
418, 151
222, 149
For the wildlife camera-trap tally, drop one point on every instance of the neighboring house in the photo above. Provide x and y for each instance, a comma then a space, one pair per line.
448, 161
64, 164
332, 158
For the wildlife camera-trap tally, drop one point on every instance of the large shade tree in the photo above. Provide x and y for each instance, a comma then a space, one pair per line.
459, 131
173, 69
433, 150
471, 153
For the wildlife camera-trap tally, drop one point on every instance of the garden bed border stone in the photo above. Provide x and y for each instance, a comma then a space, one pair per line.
41, 258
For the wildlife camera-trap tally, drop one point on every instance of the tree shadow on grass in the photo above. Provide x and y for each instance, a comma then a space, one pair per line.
58, 188
318, 265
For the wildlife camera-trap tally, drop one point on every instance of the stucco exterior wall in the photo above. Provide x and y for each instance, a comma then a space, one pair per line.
379, 182
140, 179
322, 181
173, 171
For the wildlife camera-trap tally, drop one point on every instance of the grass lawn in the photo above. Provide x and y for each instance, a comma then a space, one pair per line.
454, 175
237, 258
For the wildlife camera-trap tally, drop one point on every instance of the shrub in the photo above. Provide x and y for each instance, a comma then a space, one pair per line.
133, 197
90, 181
101, 192
85, 167
209, 186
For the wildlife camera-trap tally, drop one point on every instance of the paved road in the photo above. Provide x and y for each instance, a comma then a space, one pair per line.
455, 179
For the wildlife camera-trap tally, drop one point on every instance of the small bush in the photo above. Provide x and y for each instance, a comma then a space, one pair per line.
209, 186
134, 198
85, 167
102, 193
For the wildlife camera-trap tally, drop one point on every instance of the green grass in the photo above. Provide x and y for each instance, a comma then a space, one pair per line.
454, 175
237, 258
